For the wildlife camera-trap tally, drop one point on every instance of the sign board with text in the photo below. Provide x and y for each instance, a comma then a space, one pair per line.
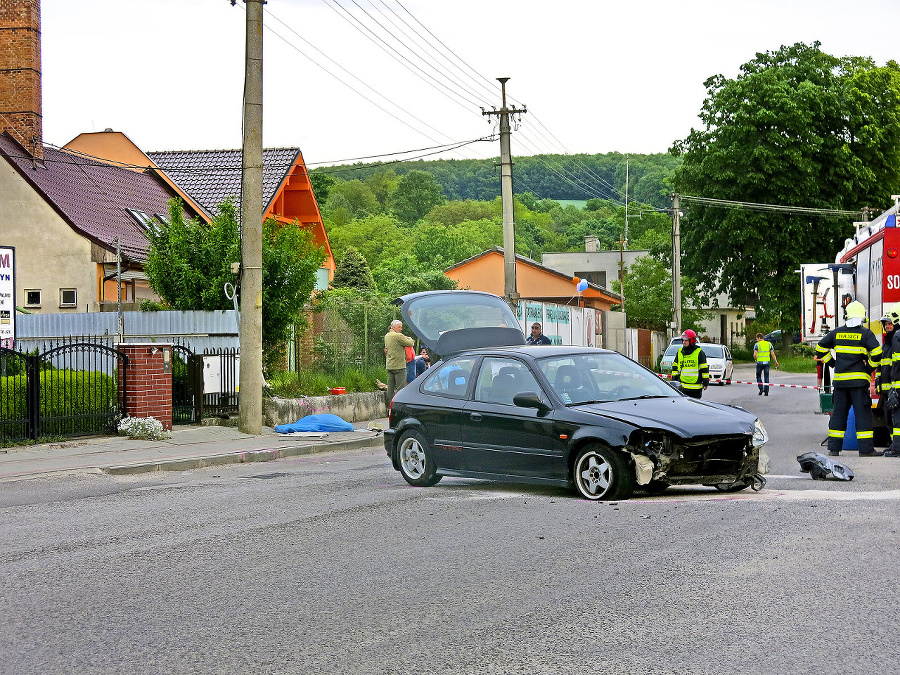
7, 296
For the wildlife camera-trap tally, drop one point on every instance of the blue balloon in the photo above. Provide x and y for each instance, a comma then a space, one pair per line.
582, 285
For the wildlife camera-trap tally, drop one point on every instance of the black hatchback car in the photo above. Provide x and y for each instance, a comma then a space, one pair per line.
496, 408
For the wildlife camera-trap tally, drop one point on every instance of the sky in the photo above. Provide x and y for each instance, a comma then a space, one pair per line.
595, 76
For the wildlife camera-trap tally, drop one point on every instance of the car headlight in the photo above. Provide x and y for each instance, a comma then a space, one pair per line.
760, 437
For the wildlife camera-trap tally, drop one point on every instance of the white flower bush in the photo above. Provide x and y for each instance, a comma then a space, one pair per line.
147, 428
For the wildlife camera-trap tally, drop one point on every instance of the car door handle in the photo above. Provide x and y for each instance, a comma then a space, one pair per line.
475, 417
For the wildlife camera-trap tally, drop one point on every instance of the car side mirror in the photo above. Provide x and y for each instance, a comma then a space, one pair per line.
529, 399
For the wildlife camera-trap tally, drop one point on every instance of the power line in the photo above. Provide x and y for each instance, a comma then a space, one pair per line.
753, 206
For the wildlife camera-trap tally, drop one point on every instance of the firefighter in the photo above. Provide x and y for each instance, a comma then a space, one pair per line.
690, 367
891, 387
857, 355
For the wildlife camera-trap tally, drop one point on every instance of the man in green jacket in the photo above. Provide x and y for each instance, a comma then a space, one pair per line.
395, 344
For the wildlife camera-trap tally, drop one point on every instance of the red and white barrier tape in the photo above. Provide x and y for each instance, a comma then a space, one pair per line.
770, 384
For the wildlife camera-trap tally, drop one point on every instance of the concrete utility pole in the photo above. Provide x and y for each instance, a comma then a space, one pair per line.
676, 263
506, 197
250, 377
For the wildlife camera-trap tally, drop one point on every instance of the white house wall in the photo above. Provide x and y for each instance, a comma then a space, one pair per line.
49, 255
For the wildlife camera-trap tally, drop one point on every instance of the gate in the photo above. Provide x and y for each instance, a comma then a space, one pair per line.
71, 389
187, 386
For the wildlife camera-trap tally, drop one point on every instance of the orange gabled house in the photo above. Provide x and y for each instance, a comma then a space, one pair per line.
206, 178
485, 272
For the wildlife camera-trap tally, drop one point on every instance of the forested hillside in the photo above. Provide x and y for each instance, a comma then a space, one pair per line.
545, 176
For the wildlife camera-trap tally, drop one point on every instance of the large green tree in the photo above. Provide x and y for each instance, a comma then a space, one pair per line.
796, 127
648, 296
189, 263
416, 194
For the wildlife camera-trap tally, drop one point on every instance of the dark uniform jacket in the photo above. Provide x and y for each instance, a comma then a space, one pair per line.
857, 354
684, 371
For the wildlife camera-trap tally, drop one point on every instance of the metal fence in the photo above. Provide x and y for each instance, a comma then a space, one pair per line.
67, 387
221, 370
352, 335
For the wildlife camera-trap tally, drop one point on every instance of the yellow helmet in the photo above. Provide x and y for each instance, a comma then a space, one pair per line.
855, 310
893, 314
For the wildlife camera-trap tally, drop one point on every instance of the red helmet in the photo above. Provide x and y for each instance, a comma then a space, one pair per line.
689, 337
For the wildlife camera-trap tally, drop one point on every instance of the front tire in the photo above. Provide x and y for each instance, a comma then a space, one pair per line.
415, 460
600, 473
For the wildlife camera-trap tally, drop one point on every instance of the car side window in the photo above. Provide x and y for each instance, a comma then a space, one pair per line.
451, 378
500, 379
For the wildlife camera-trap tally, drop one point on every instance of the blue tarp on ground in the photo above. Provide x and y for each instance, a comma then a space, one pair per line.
321, 422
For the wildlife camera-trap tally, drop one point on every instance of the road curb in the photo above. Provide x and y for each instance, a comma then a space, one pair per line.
242, 456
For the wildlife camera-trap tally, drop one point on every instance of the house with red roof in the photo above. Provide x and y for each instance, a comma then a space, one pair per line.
75, 223
77, 216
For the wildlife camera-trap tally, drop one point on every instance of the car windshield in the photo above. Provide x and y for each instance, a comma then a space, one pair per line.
600, 378
713, 351
672, 350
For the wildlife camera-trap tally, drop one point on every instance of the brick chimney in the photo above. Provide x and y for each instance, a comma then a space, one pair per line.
20, 73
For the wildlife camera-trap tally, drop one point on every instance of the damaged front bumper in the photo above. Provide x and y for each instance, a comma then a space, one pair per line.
727, 462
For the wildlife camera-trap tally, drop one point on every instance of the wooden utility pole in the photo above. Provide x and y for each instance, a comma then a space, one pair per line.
506, 196
250, 377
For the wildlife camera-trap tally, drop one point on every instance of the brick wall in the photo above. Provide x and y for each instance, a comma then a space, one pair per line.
148, 386
20, 73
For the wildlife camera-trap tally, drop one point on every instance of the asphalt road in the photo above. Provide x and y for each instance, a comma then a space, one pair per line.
332, 564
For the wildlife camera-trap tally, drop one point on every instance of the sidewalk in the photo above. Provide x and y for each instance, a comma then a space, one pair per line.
189, 447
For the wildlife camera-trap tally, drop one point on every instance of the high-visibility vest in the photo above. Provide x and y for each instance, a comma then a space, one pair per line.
857, 354
691, 373
763, 351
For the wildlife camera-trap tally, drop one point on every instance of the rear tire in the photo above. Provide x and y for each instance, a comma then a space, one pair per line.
415, 460
600, 473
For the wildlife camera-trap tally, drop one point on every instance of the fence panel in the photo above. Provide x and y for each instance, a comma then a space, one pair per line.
14, 422
220, 372
78, 389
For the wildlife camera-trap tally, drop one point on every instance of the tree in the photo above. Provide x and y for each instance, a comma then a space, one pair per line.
417, 193
353, 271
354, 196
189, 263
648, 296
321, 184
797, 127
291, 258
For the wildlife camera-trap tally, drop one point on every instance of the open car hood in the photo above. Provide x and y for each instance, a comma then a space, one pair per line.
452, 321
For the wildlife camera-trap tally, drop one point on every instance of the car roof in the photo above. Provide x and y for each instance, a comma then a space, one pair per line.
536, 351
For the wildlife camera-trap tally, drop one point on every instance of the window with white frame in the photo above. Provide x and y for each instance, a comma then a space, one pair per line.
68, 297
32, 297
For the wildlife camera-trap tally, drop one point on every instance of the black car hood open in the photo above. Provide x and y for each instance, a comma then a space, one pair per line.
683, 416
451, 321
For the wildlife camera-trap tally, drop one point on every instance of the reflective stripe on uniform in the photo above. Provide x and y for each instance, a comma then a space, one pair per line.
835, 433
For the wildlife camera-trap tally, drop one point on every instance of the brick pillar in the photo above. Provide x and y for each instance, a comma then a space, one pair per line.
20, 73
148, 385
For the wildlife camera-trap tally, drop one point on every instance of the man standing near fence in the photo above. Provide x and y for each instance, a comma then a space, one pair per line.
395, 344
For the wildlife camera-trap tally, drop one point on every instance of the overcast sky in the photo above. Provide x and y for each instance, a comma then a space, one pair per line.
596, 76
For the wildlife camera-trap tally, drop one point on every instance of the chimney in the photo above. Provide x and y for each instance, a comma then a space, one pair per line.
20, 73
591, 242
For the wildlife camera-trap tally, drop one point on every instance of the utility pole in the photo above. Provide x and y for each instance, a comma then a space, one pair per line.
250, 376
506, 197
626, 208
621, 244
676, 263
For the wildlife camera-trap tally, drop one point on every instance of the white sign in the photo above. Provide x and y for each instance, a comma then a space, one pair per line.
7, 296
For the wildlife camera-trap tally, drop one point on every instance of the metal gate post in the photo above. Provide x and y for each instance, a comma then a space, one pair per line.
33, 395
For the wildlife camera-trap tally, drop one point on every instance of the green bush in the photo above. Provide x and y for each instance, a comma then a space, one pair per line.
318, 383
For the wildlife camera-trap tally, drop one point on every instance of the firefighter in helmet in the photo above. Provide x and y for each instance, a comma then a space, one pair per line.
890, 384
857, 354
690, 367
